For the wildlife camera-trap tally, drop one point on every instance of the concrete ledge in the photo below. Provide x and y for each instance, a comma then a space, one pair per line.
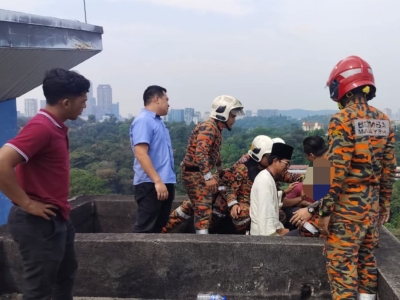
115, 264
108, 214
156, 266
388, 258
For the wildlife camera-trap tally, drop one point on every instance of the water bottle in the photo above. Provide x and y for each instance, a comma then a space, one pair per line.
210, 297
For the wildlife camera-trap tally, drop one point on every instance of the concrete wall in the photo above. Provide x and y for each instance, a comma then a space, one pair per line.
8, 129
178, 266
110, 214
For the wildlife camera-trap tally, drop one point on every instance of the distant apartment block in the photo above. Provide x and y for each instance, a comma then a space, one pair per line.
189, 114
176, 115
249, 113
310, 126
90, 107
104, 99
197, 115
90, 103
206, 116
267, 113
115, 109
31, 107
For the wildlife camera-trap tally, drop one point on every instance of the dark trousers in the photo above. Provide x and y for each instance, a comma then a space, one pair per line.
152, 214
48, 255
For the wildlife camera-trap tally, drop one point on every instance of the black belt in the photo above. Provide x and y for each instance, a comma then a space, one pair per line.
191, 169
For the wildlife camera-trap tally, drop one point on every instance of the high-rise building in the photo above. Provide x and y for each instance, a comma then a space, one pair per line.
115, 108
197, 115
90, 103
104, 99
206, 116
31, 107
42, 104
189, 114
267, 113
249, 113
176, 115
90, 107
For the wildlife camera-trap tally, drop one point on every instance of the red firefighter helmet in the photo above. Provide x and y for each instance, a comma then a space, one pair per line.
349, 74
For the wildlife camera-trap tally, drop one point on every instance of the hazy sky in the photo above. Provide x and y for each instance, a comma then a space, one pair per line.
269, 54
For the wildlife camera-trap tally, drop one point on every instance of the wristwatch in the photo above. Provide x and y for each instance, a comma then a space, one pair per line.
208, 176
311, 209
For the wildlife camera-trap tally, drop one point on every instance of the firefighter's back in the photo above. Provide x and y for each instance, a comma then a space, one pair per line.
369, 130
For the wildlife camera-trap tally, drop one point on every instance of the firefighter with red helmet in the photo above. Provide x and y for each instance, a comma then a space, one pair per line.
362, 153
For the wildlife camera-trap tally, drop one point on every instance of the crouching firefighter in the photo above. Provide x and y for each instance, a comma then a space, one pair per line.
239, 180
186, 209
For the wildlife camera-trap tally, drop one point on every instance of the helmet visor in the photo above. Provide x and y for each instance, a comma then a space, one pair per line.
334, 90
237, 112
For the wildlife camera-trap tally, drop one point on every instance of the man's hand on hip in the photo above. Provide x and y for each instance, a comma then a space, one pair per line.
40, 209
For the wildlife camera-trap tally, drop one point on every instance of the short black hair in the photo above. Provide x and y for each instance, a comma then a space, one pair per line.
151, 91
59, 84
271, 159
314, 144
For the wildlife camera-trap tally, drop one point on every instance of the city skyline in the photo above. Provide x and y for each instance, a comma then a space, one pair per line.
268, 54
186, 114
102, 107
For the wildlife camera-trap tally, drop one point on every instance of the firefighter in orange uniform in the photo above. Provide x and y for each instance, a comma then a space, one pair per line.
203, 154
362, 152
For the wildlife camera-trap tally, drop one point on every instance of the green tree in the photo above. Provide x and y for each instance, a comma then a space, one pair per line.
84, 182
92, 119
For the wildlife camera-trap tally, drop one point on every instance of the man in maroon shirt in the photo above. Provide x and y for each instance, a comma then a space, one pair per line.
34, 175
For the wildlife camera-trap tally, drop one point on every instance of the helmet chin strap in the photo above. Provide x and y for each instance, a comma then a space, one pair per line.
350, 96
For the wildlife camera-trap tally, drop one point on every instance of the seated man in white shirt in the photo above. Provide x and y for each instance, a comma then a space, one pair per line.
265, 200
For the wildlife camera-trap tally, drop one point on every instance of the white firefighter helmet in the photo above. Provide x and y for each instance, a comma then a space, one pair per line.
278, 140
223, 105
261, 145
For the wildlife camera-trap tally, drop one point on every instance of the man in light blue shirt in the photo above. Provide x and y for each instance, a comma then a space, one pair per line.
154, 178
